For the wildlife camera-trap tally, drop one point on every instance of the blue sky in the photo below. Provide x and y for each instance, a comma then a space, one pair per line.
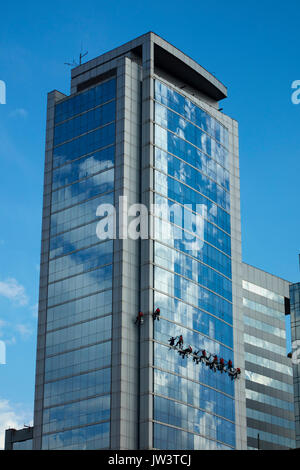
252, 47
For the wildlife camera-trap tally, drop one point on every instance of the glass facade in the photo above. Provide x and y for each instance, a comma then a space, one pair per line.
194, 407
79, 314
268, 372
23, 445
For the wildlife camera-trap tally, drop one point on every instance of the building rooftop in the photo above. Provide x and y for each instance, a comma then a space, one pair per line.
166, 57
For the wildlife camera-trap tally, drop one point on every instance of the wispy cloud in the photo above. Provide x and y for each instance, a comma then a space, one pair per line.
24, 330
12, 416
6, 333
2, 325
19, 112
12, 290
35, 310
11, 341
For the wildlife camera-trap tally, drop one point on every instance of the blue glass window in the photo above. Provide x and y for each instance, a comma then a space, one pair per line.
77, 387
193, 318
83, 123
82, 102
194, 420
84, 438
83, 168
84, 145
191, 133
179, 103
78, 361
76, 414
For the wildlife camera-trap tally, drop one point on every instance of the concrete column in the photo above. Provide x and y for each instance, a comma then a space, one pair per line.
125, 341
146, 369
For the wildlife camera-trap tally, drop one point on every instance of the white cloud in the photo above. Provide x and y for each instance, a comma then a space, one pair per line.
19, 112
12, 416
11, 289
11, 341
2, 324
35, 310
24, 330
5, 333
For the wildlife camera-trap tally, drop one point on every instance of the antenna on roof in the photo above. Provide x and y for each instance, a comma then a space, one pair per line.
71, 64
74, 63
81, 56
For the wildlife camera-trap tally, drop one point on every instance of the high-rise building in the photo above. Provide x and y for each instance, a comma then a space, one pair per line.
142, 125
295, 327
268, 370
142, 122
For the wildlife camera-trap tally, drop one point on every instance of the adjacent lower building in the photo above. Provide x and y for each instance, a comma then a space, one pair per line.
268, 370
295, 327
19, 439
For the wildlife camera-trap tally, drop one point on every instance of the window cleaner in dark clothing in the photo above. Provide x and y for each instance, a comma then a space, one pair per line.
229, 365
156, 314
185, 352
214, 363
221, 366
172, 341
179, 342
196, 357
139, 319
188, 350
205, 357
234, 373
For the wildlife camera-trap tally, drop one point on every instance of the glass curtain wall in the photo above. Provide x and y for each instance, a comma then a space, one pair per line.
78, 340
193, 406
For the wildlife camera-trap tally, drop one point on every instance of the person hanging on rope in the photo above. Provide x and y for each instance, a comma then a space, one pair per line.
179, 342
156, 314
172, 341
221, 365
196, 357
234, 373
139, 319
185, 352
214, 363
204, 357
